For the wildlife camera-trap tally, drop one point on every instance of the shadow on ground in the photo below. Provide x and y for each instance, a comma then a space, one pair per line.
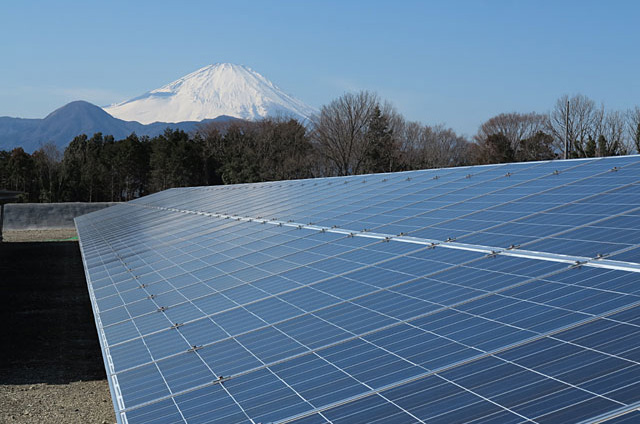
47, 331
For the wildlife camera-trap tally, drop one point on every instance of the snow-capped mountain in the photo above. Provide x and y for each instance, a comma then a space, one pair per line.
219, 89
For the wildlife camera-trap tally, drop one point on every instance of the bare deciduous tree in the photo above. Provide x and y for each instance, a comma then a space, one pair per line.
633, 123
340, 129
516, 127
432, 147
513, 137
612, 135
579, 122
410, 140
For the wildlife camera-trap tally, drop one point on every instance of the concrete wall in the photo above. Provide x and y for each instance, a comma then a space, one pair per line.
33, 216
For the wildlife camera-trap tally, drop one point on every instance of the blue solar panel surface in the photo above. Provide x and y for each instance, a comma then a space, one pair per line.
503, 293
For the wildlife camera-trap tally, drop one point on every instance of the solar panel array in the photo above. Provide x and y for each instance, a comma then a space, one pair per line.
493, 294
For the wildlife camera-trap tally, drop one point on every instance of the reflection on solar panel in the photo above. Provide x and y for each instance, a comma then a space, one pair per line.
505, 293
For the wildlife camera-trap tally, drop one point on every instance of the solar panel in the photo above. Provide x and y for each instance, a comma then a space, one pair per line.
499, 293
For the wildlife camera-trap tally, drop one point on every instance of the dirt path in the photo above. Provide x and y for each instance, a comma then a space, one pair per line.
51, 368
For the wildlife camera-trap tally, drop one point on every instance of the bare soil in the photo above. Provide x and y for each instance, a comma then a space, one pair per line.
51, 368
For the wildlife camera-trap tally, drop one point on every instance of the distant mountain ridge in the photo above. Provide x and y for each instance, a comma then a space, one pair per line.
212, 91
80, 117
221, 92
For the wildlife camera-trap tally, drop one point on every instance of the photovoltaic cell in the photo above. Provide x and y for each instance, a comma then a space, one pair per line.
501, 293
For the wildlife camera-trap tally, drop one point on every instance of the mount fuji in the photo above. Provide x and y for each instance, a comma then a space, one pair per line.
209, 92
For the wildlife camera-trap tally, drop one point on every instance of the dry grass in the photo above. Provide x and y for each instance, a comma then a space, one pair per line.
20, 236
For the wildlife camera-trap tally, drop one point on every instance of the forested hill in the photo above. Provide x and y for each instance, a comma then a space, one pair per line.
79, 117
357, 133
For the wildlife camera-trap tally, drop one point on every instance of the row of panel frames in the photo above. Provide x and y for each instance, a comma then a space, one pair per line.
498, 293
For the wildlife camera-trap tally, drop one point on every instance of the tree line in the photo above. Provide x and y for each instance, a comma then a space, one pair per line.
357, 133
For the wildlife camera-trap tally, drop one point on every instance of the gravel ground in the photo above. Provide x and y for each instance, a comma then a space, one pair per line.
75, 402
51, 368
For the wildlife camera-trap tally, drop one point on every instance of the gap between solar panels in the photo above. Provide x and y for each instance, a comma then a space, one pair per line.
515, 251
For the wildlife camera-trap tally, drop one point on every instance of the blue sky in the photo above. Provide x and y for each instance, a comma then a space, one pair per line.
452, 62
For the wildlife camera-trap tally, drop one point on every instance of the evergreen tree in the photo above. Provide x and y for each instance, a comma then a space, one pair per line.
241, 161
602, 146
20, 169
4, 169
538, 147
83, 169
71, 169
174, 160
93, 169
382, 153
127, 162
47, 168
498, 149
284, 150
590, 148
209, 146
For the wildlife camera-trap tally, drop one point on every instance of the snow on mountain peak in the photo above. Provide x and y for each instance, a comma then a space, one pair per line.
218, 89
